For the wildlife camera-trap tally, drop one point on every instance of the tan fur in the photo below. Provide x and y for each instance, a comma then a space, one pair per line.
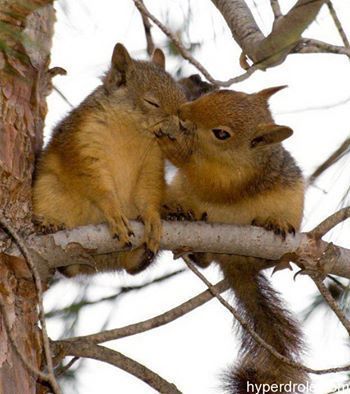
103, 164
246, 178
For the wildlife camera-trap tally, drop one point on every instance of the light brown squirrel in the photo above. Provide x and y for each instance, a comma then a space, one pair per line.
233, 169
103, 163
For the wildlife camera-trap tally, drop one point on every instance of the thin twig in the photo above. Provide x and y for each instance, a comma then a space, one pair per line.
316, 108
276, 9
327, 225
62, 370
332, 159
123, 290
31, 368
154, 322
37, 281
65, 99
337, 23
310, 45
148, 34
251, 331
331, 301
186, 54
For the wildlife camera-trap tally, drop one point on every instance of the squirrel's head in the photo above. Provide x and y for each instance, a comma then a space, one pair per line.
234, 124
151, 89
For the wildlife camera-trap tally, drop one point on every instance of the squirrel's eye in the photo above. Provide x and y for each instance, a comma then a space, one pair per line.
151, 102
221, 134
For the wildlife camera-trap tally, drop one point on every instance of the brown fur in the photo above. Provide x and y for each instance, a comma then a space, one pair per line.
248, 177
103, 164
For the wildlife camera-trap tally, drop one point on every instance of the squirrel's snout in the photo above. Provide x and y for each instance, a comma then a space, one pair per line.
186, 126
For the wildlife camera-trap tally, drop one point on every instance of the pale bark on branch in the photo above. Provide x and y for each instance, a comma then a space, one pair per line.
80, 245
271, 50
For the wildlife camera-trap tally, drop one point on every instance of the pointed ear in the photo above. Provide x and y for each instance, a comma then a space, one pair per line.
267, 93
270, 133
158, 58
121, 60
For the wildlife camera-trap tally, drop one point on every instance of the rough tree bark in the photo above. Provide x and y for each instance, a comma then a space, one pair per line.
26, 28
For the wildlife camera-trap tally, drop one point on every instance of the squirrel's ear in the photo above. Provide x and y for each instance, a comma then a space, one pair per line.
270, 133
121, 60
158, 58
267, 93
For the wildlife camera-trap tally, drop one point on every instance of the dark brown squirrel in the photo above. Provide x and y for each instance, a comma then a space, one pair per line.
103, 163
233, 169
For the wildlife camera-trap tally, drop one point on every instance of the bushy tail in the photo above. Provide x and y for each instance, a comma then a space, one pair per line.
261, 306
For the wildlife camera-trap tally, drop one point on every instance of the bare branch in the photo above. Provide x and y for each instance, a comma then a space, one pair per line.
64, 98
252, 241
337, 23
113, 357
331, 301
31, 368
286, 32
154, 322
333, 220
148, 34
254, 335
62, 370
186, 54
37, 281
276, 9
316, 108
76, 307
332, 159
309, 45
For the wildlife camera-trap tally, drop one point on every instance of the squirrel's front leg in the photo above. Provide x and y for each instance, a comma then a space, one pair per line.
148, 197
118, 223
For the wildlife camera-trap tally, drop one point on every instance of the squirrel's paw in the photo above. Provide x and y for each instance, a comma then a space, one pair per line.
120, 230
41, 226
136, 260
278, 226
152, 234
178, 213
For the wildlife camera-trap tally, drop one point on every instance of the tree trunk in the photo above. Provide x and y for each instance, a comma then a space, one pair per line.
26, 29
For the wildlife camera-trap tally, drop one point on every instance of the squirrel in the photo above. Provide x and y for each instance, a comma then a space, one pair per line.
103, 163
234, 169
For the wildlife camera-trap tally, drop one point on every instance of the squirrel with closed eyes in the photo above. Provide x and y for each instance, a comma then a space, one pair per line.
234, 169
103, 163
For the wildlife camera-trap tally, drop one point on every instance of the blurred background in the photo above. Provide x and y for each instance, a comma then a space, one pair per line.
194, 350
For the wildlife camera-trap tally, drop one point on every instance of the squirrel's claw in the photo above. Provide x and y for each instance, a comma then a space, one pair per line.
280, 227
120, 230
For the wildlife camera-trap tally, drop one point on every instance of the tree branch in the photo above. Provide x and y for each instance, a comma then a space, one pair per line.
113, 357
337, 23
309, 45
77, 306
331, 301
186, 54
286, 32
154, 322
276, 9
60, 249
147, 27
332, 221
252, 332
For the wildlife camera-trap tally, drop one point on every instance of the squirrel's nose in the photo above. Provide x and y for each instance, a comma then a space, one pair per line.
186, 126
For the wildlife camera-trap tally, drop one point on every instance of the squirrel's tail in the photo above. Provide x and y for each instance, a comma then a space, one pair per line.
260, 305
